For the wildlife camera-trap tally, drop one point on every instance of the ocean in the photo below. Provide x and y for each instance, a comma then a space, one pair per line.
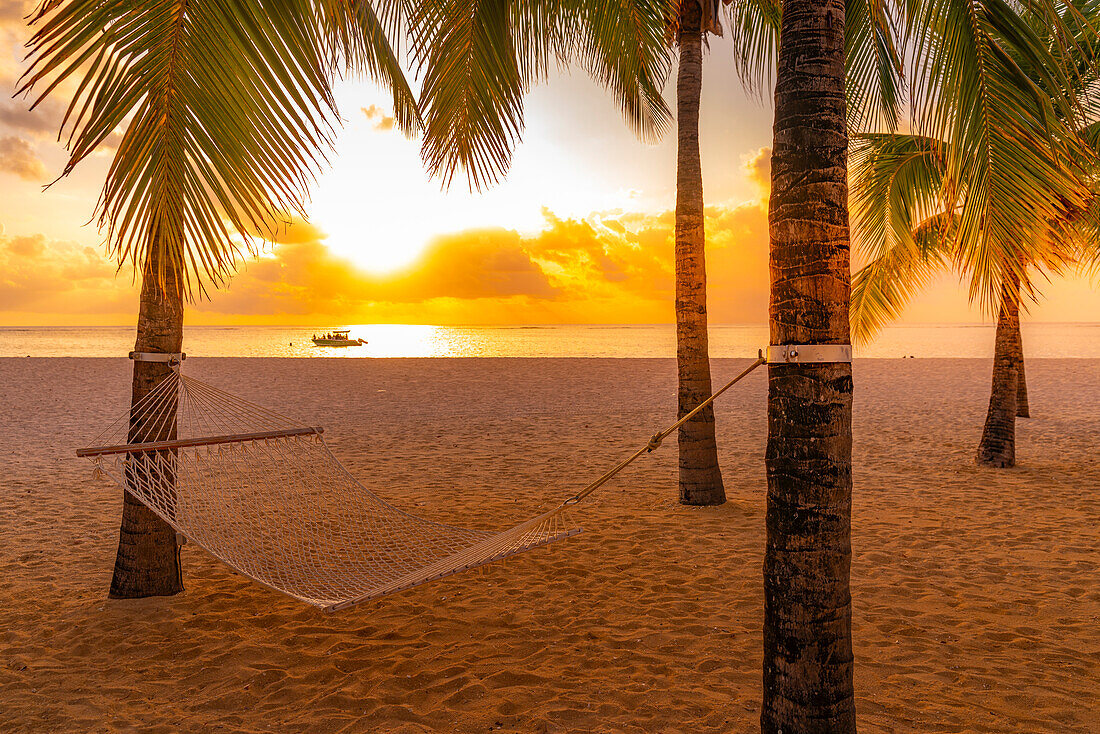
397, 340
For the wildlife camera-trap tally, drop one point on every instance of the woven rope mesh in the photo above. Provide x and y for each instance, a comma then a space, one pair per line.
264, 494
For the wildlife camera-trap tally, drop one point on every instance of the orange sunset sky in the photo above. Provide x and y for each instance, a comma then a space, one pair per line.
581, 231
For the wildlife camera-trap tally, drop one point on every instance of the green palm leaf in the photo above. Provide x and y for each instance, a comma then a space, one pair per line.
363, 32
905, 222
227, 109
478, 58
873, 63
1002, 165
754, 26
473, 87
623, 48
884, 287
1010, 141
898, 180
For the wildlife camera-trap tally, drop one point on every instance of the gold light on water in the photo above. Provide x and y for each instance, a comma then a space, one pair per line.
407, 340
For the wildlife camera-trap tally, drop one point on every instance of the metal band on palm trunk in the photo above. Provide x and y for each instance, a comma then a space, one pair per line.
169, 357
809, 353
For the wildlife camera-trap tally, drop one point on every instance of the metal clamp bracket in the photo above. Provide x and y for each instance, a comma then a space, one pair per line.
170, 358
809, 353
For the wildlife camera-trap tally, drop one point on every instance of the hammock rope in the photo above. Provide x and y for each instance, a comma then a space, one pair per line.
263, 493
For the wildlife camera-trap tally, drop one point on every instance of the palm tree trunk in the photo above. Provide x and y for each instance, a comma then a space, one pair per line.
808, 661
998, 445
700, 474
148, 558
1023, 409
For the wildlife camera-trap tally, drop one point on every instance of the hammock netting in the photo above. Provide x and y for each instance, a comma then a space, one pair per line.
263, 493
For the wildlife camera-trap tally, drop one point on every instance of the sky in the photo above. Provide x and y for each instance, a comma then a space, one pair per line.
579, 232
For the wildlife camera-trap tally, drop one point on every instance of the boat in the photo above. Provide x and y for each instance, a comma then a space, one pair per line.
337, 338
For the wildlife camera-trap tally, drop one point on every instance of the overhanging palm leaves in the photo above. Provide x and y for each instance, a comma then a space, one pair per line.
227, 109
982, 82
478, 58
898, 209
873, 64
366, 33
1000, 178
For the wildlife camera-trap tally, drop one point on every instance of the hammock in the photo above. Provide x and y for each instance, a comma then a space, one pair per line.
263, 494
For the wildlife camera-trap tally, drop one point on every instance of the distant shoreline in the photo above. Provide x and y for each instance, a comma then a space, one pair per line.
667, 324
671, 360
975, 341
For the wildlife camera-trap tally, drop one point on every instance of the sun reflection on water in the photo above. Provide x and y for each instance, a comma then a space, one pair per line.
399, 340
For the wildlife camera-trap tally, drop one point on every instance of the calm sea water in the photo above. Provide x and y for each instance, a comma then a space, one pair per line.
391, 340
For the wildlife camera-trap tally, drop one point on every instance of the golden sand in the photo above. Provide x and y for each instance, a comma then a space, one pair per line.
977, 592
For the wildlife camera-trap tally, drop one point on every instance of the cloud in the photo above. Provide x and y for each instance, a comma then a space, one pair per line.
758, 168
44, 121
606, 267
33, 246
43, 276
14, 12
297, 231
290, 229
18, 157
381, 120
301, 276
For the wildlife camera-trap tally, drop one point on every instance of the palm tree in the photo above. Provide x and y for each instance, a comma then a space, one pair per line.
873, 71
228, 113
474, 115
808, 662
227, 110
700, 473
480, 59
997, 191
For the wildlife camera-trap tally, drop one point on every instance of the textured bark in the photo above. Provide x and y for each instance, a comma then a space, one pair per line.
808, 661
1023, 408
700, 474
998, 445
148, 558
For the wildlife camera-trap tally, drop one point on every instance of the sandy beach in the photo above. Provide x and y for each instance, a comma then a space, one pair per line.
976, 591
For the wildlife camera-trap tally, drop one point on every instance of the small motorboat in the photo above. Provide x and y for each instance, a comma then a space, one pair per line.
337, 338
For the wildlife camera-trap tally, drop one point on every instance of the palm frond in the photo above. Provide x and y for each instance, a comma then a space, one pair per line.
1079, 53
1088, 239
1009, 140
754, 29
884, 287
366, 33
873, 62
623, 47
1086, 225
472, 88
898, 180
478, 58
227, 110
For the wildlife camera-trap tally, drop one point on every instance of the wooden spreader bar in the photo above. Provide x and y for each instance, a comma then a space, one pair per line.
130, 448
